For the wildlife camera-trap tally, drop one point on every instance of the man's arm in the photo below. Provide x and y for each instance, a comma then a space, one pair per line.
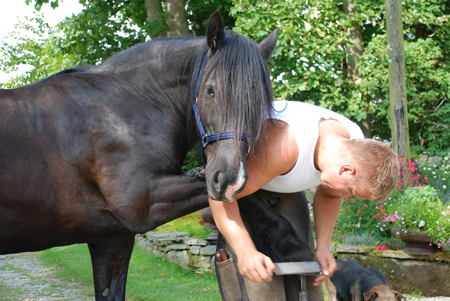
327, 204
279, 157
253, 265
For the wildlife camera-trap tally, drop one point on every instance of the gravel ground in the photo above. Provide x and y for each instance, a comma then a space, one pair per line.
411, 298
23, 277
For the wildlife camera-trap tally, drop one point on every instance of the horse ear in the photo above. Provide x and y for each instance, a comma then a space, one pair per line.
215, 31
268, 44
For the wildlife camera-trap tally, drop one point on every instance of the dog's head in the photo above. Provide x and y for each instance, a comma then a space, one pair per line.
383, 293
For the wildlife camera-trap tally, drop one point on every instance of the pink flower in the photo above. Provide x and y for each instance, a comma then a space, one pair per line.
381, 248
401, 156
426, 180
347, 209
365, 205
358, 210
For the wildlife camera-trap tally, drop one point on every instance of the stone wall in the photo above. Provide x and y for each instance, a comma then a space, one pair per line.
404, 273
179, 247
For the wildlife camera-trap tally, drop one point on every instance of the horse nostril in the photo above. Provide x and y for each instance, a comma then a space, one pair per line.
216, 180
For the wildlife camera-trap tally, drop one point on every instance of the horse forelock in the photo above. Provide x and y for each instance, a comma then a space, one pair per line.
243, 85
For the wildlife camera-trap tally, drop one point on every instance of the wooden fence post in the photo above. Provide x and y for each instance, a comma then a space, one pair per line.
397, 81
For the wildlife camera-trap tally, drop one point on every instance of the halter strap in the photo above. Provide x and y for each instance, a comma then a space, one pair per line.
206, 139
200, 75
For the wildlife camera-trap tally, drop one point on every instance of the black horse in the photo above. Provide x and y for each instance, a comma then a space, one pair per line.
93, 155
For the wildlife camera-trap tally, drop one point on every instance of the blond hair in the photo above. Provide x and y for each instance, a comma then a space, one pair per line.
380, 161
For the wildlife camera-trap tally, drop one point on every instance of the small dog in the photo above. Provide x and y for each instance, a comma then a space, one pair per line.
352, 282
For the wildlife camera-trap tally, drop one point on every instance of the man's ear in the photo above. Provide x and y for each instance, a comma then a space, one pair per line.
347, 169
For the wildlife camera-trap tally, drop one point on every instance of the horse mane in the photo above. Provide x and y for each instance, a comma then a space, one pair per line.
243, 81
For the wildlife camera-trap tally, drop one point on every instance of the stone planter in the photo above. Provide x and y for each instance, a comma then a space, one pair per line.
417, 243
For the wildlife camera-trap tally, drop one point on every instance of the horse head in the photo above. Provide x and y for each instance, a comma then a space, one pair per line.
232, 101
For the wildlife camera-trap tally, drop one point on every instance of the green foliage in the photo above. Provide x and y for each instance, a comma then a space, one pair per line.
42, 51
192, 160
310, 61
100, 30
370, 239
198, 12
149, 278
129, 13
438, 177
357, 217
418, 209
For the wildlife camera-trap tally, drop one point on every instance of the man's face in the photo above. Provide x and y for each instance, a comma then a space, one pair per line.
346, 184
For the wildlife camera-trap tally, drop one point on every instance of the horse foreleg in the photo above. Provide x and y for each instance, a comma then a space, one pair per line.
142, 205
110, 260
294, 207
272, 233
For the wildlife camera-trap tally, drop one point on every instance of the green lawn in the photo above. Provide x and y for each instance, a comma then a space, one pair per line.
149, 278
191, 223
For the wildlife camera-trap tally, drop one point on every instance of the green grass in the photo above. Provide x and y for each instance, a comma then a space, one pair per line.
190, 223
149, 278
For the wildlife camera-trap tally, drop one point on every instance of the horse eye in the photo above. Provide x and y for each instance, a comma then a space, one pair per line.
210, 92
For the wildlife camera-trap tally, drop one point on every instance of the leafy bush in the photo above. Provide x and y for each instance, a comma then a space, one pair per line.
419, 209
362, 222
438, 177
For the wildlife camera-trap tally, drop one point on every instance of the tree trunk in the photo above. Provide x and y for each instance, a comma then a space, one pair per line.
397, 81
177, 18
155, 15
352, 57
356, 37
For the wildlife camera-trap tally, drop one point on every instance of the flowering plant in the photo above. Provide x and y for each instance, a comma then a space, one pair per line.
420, 209
408, 208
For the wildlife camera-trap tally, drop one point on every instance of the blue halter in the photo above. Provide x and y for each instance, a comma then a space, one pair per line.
206, 139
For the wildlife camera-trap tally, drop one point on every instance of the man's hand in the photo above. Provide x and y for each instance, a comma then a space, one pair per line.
255, 266
327, 263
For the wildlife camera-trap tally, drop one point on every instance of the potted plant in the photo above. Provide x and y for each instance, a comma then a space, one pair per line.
419, 218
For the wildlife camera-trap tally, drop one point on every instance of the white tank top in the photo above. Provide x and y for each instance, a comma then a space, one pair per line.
304, 119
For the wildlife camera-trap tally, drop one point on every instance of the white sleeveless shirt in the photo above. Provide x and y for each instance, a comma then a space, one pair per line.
304, 119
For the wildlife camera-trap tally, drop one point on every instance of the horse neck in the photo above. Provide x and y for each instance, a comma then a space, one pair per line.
155, 70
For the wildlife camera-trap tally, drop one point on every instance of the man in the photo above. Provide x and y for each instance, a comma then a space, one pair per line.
308, 146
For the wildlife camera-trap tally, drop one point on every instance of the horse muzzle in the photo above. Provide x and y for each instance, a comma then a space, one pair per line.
225, 184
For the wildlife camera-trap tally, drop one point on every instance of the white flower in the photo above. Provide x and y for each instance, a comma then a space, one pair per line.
443, 186
421, 223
